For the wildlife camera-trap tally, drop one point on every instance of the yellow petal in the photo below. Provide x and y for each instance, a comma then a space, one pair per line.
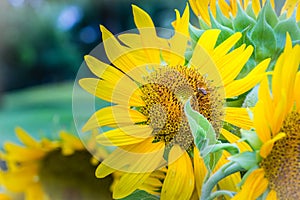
132, 40
103, 170
179, 182
141, 18
272, 195
35, 192
224, 7
280, 112
25, 138
256, 6
297, 91
260, 122
238, 117
70, 143
203, 62
137, 158
243, 146
119, 55
147, 31
200, 171
21, 154
20, 180
254, 186
4, 197
200, 8
289, 6
267, 146
283, 76
225, 62
243, 85
125, 135
230, 72
128, 183
96, 66
225, 46
298, 13
181, 24
233, 5
178, 42
208, 39
265, 95
114, 116
124, 92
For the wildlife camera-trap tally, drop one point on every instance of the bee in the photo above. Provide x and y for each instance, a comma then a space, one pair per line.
202, 90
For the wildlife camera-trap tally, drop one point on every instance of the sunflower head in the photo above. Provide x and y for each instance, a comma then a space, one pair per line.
261, 24
276, 141
146, 81
55, 169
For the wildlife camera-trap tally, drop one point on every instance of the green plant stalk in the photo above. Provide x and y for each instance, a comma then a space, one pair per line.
221, 192
224, 171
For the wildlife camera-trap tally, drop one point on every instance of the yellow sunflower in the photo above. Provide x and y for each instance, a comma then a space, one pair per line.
148, 82
38, 170
277, 124
199, 7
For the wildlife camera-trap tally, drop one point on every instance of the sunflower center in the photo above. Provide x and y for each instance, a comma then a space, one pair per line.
72, 177
282, 166
166, 92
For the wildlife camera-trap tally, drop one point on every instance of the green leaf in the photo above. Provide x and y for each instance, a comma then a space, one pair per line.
247, 159
140, 195
263, 38
200, 126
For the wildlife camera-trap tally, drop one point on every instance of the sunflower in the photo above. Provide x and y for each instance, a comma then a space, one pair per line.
261, 23
276, 121
148, 82
229, 8
48, 169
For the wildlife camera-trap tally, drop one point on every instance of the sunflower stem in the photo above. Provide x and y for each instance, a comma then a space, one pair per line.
226, 170
221, 192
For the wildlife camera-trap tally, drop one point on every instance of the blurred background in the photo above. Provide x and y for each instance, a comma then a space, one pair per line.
42, 44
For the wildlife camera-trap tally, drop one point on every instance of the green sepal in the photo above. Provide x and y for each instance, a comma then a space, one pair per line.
250, 11
252, 138
263, 38
203, 24
188, 55
251, 98
242, 21
201, 128
225, 31
195, 33
247, 159
140, 195
222, 19
289, 25
270, 14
